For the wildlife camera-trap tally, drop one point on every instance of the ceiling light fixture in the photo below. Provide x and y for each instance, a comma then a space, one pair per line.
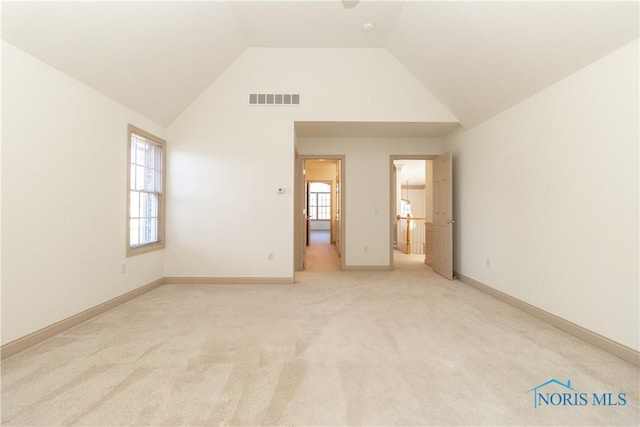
367, 27
350, 4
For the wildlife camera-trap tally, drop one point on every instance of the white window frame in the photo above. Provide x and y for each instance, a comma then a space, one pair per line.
159, 243
314, 208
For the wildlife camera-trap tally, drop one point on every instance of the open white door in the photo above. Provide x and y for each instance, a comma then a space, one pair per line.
443, 216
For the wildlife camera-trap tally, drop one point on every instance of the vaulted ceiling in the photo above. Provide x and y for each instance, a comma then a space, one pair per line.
478, 58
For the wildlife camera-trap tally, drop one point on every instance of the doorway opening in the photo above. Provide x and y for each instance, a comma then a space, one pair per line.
438, 212
319, 212
412, 210
319, 202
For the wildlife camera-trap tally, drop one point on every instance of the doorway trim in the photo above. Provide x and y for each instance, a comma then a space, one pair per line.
392, 192
298, 203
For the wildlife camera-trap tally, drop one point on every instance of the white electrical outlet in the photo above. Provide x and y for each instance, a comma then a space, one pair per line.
270, 257
366, 248
123, 268
488, 263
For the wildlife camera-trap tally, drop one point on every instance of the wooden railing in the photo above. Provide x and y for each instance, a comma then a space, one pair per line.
411, 238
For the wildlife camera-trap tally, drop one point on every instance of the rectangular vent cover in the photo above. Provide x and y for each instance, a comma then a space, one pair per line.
274, 99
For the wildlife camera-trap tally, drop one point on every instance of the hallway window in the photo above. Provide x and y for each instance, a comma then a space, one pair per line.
145, 201
319, 200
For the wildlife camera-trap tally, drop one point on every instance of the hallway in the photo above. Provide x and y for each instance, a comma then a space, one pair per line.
321, 255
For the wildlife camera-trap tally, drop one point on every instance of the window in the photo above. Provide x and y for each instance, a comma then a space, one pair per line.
145, 195
319, 200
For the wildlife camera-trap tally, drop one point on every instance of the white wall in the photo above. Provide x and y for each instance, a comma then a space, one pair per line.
226, 158
548, 190
64, 154
416, 197
366, 187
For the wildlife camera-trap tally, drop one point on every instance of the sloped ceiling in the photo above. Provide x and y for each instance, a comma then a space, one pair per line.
155, 58
478, 58
316, 23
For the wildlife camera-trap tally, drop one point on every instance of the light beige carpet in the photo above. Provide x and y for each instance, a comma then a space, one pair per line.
338, 348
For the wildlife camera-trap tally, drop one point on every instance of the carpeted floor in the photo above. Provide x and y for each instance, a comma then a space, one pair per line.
338, 348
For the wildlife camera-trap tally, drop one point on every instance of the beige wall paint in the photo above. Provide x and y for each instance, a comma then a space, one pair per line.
324, 171
64, 153
366, 184
226, 158
548, 190
416, 197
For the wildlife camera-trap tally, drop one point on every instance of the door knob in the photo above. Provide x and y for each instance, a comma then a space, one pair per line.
450, 221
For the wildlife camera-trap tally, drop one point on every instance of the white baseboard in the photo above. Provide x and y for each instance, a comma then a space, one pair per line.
593, 338
228, 280
367, 268
40, 335
16, 346
613, 347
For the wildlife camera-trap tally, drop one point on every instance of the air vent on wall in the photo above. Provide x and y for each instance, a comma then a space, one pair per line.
274, 98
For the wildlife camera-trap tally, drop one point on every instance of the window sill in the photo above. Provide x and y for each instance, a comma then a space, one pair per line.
144, 249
